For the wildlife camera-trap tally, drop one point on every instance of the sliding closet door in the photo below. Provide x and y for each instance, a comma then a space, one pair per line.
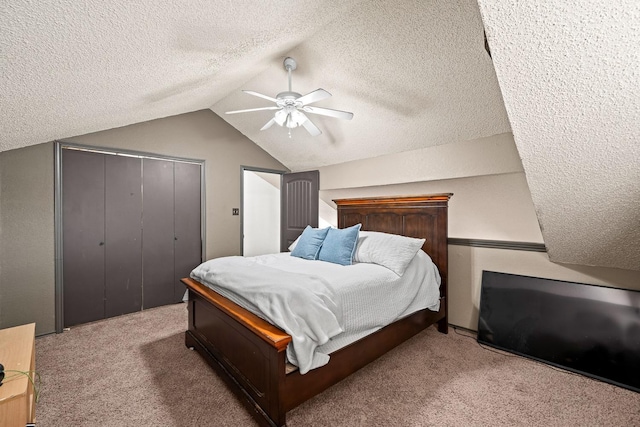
131, 231
83, 235
157, 233
123, 231
188, 244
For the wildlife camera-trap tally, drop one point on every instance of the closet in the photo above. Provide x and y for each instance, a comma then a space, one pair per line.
131, 228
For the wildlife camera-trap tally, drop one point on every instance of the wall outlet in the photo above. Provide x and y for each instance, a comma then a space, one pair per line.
235, 211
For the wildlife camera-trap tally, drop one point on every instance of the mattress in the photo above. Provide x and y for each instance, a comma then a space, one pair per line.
364, 297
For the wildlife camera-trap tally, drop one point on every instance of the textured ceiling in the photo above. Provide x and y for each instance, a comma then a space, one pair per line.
414, 73
570, 76
68, 68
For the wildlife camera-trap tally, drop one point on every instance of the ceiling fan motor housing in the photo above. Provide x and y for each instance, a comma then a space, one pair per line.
290, 63
288, 99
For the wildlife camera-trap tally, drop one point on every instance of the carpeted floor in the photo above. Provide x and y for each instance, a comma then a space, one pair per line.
134, 370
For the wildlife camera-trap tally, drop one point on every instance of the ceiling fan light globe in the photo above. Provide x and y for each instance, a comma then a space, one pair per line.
290, 123
297, 117
280, 117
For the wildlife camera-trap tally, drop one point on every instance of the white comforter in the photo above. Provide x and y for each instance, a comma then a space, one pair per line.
305, 306
323, 306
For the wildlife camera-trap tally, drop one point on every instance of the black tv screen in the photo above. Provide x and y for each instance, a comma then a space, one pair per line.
593, 330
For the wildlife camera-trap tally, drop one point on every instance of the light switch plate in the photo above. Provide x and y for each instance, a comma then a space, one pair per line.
235, 211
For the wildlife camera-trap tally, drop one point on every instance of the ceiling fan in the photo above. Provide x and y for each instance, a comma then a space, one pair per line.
291, 106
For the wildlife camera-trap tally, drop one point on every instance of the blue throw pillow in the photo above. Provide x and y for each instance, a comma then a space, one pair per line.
310, 242
340, 245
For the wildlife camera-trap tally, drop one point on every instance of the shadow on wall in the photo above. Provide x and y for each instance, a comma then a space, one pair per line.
612, 277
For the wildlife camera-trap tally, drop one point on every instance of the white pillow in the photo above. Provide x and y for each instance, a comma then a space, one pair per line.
388, 250
293, 245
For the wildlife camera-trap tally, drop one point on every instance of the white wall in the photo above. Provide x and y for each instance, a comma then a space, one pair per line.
261, 216
327, 215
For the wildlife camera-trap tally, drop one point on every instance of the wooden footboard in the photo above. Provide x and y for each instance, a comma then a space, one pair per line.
250, 353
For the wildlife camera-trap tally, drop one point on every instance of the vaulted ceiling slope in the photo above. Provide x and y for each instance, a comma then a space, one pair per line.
68, 68
570, 77
414, 73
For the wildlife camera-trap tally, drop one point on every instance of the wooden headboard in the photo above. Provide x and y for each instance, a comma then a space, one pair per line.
414, 216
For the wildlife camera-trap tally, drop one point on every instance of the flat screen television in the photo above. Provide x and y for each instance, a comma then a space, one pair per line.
593, 330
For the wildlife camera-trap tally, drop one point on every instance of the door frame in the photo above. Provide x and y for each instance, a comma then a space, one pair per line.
251, 169
58, 215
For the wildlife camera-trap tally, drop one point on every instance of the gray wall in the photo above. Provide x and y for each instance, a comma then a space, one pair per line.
26, 201
491, 201
26, 238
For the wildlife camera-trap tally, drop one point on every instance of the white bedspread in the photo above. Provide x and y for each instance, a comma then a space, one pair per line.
323, 306
304, 306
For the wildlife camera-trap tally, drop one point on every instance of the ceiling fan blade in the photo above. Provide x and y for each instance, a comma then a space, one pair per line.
311, 128
251, 109
329, 112
259, 95
315, 96
268, 125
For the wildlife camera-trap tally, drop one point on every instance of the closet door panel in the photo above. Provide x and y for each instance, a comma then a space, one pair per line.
123, 230
83, 236
157, 233
188, 245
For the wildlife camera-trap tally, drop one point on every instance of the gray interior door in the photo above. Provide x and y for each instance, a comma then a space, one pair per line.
188, 241
157, 233
83, 186
299, 196
123, 235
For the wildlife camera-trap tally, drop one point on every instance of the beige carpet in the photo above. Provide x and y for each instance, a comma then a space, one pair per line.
134, 370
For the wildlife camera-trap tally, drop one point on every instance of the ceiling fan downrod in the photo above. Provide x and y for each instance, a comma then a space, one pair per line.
290, 64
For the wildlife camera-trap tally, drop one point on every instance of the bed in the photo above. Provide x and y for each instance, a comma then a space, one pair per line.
250, 354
